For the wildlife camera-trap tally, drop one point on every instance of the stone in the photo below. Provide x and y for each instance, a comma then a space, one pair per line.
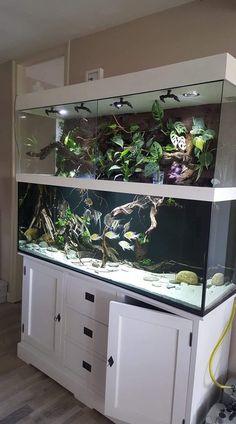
113, 264
187, 277
43, 244
218, 279
71, 254
52, 249
22, 242
150, 278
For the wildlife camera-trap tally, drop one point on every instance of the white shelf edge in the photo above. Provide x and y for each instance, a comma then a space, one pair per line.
196, 71
207, 194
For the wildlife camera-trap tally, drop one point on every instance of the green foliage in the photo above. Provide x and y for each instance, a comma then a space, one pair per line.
143, 239
146, 262
202, 139
157, 113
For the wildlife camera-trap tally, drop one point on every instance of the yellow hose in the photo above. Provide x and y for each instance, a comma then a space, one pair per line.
218, 344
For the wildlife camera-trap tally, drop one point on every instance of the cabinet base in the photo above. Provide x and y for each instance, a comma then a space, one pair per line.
50, 367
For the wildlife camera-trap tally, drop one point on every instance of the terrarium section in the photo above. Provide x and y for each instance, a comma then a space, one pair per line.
172, 146
157, 246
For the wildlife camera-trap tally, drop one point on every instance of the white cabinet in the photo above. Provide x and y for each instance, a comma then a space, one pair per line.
149, 356
42, 295
155, 359
64, 328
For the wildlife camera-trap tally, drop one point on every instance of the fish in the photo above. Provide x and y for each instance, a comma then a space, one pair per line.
115, 224
125, 245
108, 220
95, 237
88, 202
130, 235
111, 235
127, 226
31, 234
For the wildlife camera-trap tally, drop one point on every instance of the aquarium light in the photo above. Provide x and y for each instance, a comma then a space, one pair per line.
120, 103
193, 93
23, 116
63, 112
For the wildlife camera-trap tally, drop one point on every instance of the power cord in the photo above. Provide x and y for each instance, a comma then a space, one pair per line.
218, 344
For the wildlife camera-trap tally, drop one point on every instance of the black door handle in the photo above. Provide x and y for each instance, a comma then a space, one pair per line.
57, 317
110, 361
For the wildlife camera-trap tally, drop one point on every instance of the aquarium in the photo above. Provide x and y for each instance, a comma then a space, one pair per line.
178, 136
178, 251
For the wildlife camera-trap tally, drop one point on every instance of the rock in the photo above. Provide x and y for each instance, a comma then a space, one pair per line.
43, 244
218, 279
52, 249
187, 277
113, 264
150, 278
22, 242
71, 254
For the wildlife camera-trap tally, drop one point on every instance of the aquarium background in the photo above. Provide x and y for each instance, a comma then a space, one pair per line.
179, 251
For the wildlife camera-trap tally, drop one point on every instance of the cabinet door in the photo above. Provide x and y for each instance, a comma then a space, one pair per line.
42, 297
147, 382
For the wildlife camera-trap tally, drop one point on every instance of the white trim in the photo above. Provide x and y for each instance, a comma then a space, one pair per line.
207, 194
211, 68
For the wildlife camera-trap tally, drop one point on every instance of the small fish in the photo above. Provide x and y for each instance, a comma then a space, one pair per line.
130, 235
115, 224
97, 216
125, 245
88, 201
127, 226
31, 234
111, 235
95, 237
108, 220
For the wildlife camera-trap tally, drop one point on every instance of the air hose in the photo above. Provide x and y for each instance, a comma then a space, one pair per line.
218, 344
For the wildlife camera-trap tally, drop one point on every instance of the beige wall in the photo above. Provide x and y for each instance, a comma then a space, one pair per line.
193, 30
5, 166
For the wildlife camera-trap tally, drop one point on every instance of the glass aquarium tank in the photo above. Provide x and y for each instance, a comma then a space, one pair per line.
179, 136
178, 251
132, 179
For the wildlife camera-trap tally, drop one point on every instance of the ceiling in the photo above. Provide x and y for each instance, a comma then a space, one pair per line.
28, 26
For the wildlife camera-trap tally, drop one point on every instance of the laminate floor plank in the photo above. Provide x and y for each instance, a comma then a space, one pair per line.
27, 396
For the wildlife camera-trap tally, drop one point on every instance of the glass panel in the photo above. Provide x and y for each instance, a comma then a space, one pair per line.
58, 140
167, 136
225, 173
221, 277
156, 246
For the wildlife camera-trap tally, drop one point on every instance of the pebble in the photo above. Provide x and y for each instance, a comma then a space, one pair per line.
22, 242
43, 244
150, 278
71, 254
52, 249
156, 285
113, 264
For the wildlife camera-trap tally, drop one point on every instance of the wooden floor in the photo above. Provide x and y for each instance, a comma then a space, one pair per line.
27, 395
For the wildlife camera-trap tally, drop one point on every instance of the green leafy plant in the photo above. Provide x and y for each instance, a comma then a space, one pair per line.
152, 159
201, 141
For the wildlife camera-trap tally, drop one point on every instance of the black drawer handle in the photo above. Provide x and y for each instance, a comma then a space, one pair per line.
87, 366
90, 297
88, 332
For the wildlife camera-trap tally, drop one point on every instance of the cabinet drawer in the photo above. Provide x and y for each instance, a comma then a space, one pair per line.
88, 298
85, 365
86, 332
